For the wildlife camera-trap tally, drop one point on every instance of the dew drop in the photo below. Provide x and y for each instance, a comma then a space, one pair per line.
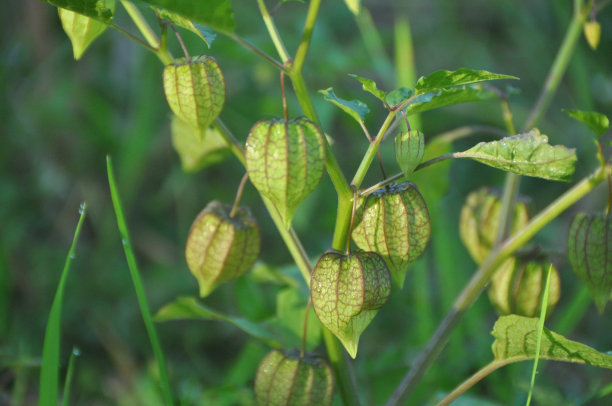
72, 256
76, 352
82, 208
124, 241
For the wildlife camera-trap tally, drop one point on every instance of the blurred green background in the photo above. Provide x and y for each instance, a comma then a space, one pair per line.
60, 118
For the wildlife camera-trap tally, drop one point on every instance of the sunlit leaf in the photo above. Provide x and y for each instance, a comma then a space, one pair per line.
449, 97
185, 308
207, 35
216, 14
527, 154
516, 340
596, 122
370, 86
101, 10
355, 108
443, 79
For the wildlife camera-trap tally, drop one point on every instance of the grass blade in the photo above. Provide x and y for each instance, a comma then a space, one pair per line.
138, 286
69, 374
49, 371
540, 330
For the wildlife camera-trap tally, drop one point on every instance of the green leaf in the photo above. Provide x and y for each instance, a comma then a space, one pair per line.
206, 34
188, 308
196, 150
370, 86
216, 14
49, 371
526, 154
443, 79
141, 298
516, 340
355, 108
449, 97
354, 6
596, 122
101, 10
81, 29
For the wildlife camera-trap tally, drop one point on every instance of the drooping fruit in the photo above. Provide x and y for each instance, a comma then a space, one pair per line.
347, 290
517, 287
197, 151
589, 248
284, 378
592, 33
83, 30
195, 89
221, 247
479, 222
393, 222
285, 161
409, 150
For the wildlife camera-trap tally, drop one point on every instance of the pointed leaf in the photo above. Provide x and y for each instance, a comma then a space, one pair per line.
370, 86
444, 79
189, 308
101, 10
449, 97
516, 339
207, 35
526, 154
355, 108
216, 14
596, 122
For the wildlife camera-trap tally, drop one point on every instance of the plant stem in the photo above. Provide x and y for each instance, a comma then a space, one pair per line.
238, 39
371, 152
311, 19
559, 65
239, 194
471, 381
475, 286
162, 53
276, 39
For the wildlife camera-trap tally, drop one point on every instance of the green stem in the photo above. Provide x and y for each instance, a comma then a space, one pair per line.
238, 39
371, 152
471, 381
475, 286
138, 286
162, 53
559, 65
276, 39
311, 19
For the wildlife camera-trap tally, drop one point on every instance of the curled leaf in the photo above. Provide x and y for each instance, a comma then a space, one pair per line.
527, 154
516, 336
355, 108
